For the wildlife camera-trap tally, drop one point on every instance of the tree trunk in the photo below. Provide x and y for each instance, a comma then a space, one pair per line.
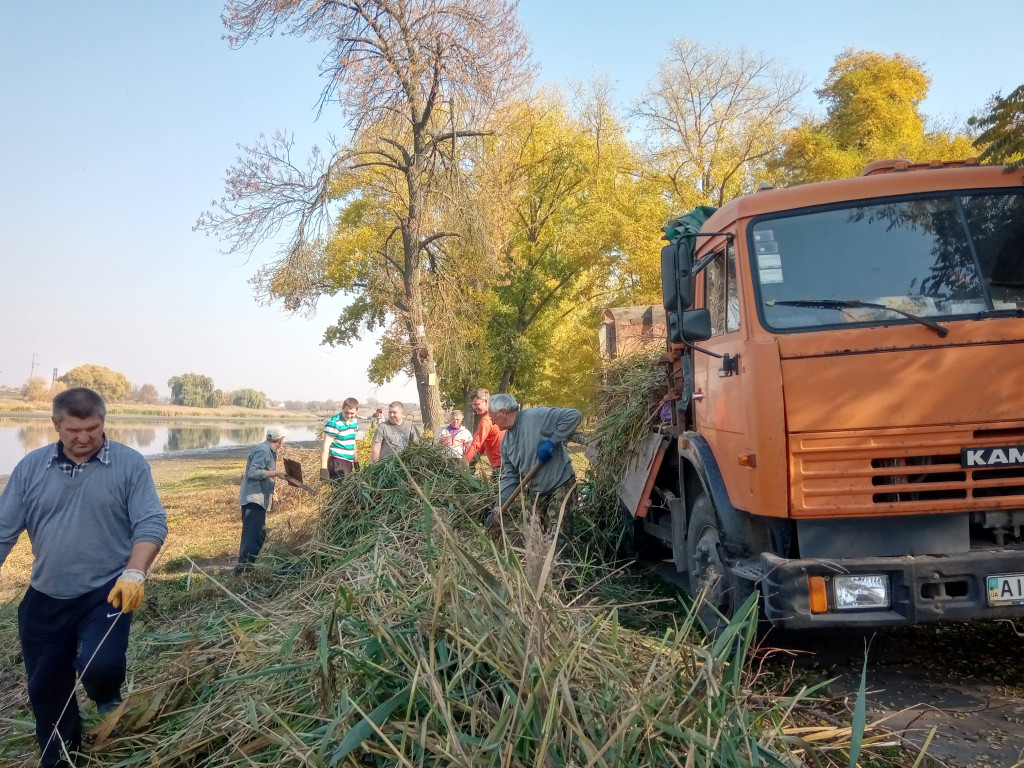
423, 364
508, 377
430, 397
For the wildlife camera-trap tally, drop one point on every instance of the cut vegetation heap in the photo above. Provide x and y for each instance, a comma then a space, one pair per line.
631, 391
404, 636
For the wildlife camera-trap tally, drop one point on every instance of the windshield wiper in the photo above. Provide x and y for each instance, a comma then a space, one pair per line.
1003, 312
840, 304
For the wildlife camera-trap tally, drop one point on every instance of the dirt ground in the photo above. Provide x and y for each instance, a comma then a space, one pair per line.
961, 679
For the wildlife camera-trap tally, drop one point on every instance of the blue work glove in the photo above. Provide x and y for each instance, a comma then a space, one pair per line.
545, 451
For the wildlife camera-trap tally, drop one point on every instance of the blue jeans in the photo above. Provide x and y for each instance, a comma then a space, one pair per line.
59, 638
254, 534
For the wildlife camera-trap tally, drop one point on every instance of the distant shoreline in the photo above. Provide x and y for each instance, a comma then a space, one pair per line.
228, 452
232, 452
212, 416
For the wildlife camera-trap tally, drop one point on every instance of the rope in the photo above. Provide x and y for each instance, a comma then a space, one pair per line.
71, 697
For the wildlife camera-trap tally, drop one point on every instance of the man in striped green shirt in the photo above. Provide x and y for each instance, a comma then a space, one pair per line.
338, 458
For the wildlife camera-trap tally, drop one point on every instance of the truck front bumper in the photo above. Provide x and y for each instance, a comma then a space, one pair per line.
923, 589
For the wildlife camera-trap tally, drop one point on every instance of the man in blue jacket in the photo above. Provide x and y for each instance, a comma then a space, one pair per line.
537, 436
96, 525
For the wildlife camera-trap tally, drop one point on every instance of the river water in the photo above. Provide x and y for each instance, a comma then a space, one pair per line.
19, 435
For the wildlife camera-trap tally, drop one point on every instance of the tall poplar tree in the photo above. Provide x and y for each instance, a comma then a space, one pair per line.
564, 224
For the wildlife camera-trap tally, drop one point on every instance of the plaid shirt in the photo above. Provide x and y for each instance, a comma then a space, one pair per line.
68, 467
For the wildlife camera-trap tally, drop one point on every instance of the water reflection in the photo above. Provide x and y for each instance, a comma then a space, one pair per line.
20, 435
32, 436
191, 438
246, 435
139, 437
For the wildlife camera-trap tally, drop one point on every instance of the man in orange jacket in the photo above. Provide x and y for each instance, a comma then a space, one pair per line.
488, 436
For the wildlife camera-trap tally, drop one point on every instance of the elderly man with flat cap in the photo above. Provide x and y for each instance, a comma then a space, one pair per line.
537, 436
257, 496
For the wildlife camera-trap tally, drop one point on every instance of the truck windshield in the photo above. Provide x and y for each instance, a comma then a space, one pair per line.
950, 256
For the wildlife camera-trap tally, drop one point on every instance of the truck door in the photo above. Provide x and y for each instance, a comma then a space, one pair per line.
719, 408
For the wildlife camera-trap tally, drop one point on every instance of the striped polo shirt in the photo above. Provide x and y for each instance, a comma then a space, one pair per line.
343, 436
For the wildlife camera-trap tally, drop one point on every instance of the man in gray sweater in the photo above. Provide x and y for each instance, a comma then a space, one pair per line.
96, 525
536, 436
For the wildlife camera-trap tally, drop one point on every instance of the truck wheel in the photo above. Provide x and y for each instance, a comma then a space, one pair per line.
627, 536
710, 585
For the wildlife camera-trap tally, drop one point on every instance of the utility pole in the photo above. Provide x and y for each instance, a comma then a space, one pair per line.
32, 370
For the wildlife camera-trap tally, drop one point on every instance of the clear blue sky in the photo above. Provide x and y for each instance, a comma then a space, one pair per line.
120, 118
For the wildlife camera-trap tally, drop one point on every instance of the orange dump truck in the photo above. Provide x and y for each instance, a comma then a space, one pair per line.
846, 435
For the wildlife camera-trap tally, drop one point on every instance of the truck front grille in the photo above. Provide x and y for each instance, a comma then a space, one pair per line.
901, 470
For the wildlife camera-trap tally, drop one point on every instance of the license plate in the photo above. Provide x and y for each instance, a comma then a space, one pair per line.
1006, 589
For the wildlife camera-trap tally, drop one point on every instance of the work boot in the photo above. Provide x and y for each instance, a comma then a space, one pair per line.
104, 710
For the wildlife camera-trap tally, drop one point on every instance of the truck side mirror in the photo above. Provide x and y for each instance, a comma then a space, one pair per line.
676, 277
695, 325
689, 326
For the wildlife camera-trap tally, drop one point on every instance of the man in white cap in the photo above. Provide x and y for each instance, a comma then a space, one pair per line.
257, 495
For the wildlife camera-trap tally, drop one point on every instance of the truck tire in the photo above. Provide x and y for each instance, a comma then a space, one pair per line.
710, 583
627, 536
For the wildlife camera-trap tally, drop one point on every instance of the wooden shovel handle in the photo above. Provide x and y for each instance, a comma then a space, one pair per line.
519, 488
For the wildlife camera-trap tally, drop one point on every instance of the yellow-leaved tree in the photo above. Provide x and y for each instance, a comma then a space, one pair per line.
414, 79
575, 227
873, 112
111, 385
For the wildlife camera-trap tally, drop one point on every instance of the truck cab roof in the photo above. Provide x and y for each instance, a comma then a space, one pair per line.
887, 178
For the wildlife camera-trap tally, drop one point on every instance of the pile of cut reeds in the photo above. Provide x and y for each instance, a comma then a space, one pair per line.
626, 405
413, 639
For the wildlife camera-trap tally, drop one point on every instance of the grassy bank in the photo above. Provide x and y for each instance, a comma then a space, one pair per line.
200, 494
399, 634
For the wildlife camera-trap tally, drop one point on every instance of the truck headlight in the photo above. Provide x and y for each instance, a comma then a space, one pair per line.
861, 591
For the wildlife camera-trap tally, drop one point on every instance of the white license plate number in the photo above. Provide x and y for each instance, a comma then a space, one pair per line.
1006, 589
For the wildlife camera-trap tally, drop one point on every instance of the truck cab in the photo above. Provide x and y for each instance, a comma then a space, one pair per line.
847, 435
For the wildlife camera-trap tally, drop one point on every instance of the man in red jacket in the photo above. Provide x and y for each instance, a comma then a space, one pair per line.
487, 439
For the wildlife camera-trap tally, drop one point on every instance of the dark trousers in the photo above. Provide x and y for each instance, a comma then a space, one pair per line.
60, 638
254, 534
338, 467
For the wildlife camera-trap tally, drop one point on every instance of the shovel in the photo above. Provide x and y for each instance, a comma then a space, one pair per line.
293, 474
493, 518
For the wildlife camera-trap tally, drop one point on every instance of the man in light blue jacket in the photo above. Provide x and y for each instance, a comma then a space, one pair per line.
537, 436
257, 495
